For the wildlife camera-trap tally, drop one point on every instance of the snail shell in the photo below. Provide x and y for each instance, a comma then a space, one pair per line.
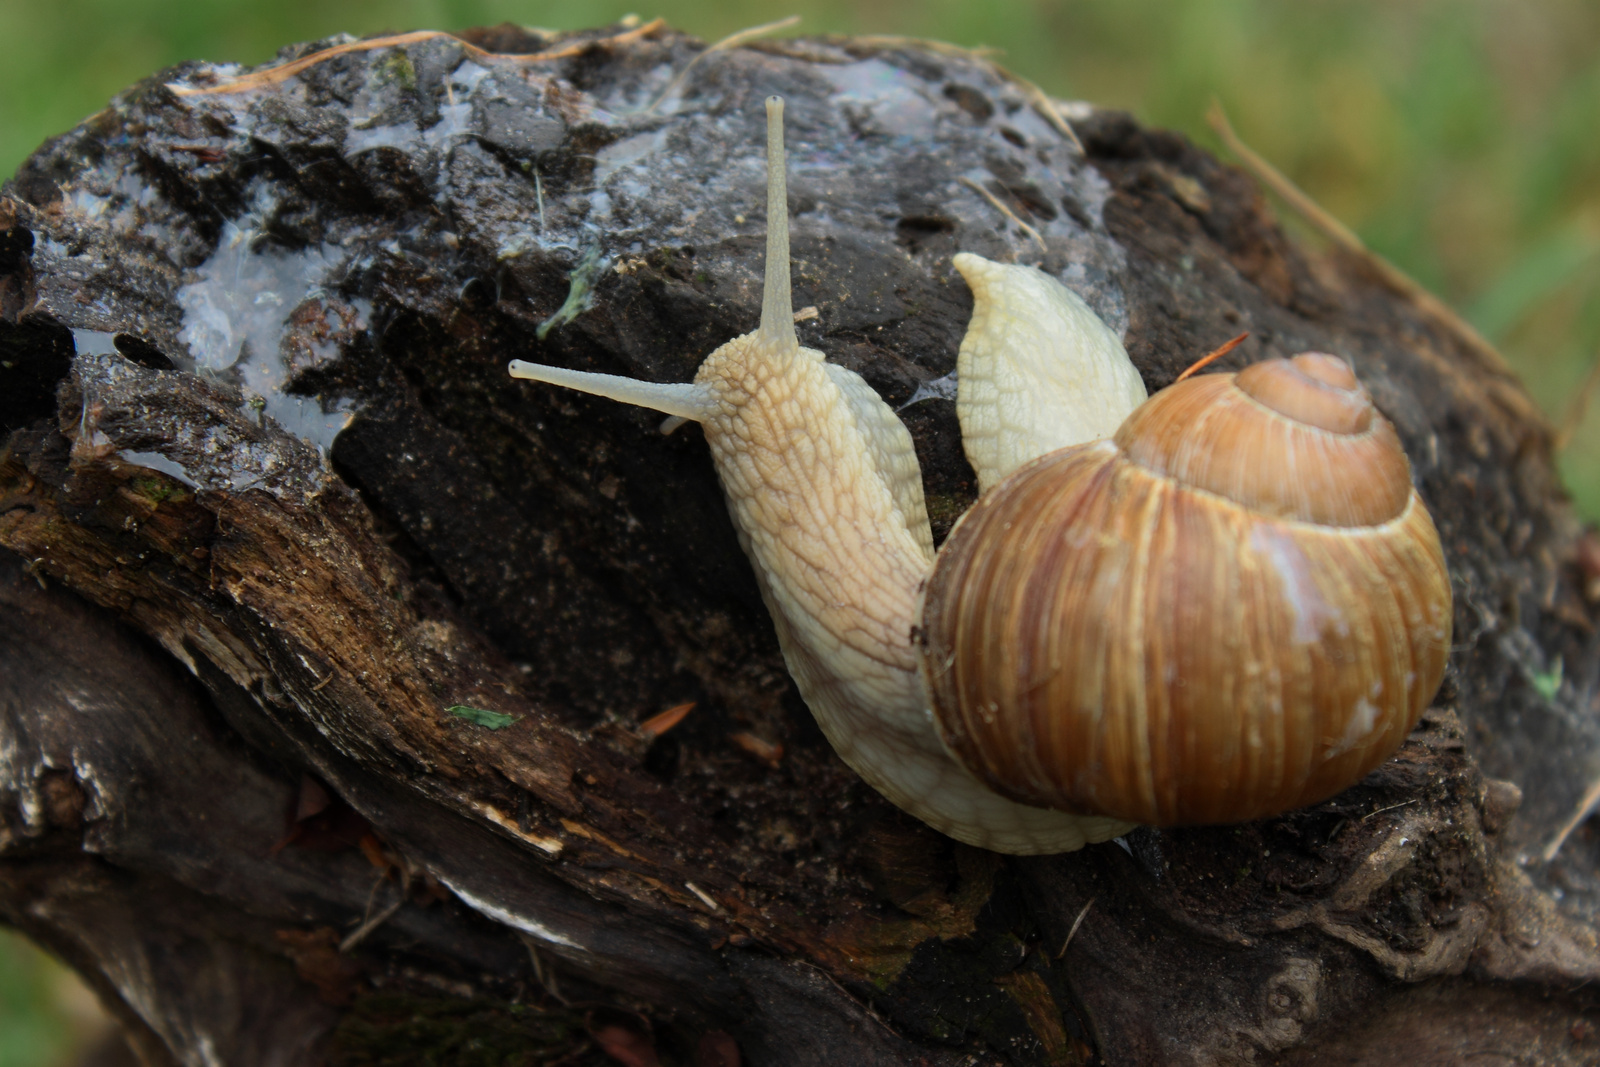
1235, 607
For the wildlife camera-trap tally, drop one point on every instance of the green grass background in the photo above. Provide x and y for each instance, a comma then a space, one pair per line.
1460, 139
38, 1027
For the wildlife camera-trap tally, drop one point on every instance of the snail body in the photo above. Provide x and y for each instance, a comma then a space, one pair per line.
824, 488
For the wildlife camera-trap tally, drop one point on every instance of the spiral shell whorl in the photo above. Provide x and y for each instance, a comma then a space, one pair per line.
1238, 436
1175, 656
1313, 388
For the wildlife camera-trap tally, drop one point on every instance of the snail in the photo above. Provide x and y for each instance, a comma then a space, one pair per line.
1214, 605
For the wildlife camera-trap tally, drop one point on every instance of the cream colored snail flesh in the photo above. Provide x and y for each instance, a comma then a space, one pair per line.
1215, 605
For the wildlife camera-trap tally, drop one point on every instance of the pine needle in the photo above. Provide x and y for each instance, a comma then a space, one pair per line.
1006, 211
284, 71
733, 40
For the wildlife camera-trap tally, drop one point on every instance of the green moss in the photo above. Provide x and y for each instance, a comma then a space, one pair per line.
1547, 683
395, 68
157, 490
494, 720
580, 292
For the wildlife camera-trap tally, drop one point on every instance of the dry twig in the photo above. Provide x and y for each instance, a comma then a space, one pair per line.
1000, 206
1082, 915
733, 40
1341, 235
282, 72
1572, 418
1591, 797
1212, 356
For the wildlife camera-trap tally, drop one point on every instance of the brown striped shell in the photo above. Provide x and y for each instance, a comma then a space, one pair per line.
1235, 607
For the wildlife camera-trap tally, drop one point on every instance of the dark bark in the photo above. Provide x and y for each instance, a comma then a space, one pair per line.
233, 625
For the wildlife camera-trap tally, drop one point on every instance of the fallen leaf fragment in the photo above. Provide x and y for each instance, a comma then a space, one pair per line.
766, 751
656, 725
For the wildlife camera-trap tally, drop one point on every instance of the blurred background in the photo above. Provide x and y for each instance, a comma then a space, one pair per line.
1458, 138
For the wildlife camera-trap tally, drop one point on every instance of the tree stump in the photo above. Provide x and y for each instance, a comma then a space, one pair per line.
330, 652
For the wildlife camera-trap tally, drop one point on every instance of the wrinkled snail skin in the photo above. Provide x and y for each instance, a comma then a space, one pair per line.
825, 491
1038, 370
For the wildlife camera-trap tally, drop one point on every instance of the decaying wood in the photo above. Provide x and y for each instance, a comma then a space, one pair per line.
332, 657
